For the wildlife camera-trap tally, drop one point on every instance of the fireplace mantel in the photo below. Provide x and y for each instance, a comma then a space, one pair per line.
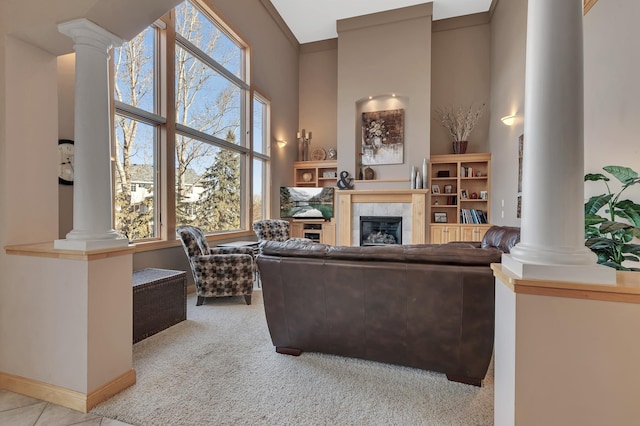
416, 197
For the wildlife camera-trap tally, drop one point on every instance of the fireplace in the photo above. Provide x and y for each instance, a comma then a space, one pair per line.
380, 230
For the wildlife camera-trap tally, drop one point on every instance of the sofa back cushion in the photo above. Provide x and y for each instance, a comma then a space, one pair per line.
454, 254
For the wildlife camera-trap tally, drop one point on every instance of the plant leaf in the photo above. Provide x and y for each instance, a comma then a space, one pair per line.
595, 203
629, 210
595, 177
600, 244
623, 174
609, 226
613, 265
593, 219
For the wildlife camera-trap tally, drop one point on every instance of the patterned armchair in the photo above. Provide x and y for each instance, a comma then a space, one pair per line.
217, 271
271, 229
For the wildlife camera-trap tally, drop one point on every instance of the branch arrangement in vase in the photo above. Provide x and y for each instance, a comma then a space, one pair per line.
459, 121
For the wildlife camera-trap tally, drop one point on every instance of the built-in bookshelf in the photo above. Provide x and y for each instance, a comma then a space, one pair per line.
459, 199
315, 173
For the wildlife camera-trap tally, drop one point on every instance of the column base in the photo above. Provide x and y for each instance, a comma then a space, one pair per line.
588, 274
86, 245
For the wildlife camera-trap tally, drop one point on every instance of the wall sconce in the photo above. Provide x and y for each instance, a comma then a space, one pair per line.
281, 143
508, 120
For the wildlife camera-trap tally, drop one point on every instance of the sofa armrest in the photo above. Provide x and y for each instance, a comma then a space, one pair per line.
501, 237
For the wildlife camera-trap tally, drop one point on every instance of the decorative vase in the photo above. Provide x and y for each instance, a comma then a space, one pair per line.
368, 173
377, 142
424, 173
418, 181
307, 177
460, 147
300, 150
306, 150
412, 178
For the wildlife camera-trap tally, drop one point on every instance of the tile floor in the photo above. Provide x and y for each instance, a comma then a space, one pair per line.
20, 410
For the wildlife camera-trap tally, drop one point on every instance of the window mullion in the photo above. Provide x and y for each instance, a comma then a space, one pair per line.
139, 114
197, 52
196, 134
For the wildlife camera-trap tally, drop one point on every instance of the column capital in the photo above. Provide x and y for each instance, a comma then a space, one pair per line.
84, 32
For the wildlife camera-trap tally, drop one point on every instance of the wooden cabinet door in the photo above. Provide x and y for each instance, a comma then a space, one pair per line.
329, 233
441, 234
472, 233
297, 230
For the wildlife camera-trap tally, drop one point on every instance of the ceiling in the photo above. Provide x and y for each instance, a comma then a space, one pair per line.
34, 21
313, 20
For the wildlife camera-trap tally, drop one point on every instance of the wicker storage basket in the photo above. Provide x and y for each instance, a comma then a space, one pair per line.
159, 301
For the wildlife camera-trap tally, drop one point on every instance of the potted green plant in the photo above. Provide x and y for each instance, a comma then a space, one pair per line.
606, 236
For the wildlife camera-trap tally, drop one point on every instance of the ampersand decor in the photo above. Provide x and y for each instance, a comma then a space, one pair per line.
345, 180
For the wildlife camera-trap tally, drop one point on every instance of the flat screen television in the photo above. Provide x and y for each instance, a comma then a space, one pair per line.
306, 203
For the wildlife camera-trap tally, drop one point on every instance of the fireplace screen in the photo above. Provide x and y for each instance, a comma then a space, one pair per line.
380, 230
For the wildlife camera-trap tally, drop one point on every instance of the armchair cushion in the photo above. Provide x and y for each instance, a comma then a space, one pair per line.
272, 229
223, 274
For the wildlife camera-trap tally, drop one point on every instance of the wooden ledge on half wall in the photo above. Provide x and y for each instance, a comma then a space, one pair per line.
46, 250
626, 289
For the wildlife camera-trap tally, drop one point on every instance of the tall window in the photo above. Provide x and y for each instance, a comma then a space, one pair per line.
136, 136
261, 174
211, 147
206, 150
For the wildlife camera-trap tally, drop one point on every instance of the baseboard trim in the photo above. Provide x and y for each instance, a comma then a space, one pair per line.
111, 388
66, 397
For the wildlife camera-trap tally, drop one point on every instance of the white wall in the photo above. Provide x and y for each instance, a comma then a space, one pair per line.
612, 89
29, 197
461, 75
319, 92
508, 49
66, 120
382, 54
611, 102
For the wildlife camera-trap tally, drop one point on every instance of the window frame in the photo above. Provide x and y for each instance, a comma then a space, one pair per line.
167, 129
265, 157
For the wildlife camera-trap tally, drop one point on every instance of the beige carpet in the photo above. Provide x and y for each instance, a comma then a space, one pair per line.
220, 368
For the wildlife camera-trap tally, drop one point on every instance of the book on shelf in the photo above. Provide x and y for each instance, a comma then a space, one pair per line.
467, 171
473, 216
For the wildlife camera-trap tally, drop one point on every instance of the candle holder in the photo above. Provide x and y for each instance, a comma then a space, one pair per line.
304, 140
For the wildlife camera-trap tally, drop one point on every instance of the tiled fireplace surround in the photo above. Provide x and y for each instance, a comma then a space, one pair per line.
410, 204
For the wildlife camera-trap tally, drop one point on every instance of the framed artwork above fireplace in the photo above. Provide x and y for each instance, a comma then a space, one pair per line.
383, 137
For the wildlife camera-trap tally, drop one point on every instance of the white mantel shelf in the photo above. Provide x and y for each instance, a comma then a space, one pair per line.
416, 197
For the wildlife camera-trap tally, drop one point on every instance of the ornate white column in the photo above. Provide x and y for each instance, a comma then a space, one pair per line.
552, 229
92, 206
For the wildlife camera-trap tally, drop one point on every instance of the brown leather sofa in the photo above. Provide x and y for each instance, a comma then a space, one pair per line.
423, 306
